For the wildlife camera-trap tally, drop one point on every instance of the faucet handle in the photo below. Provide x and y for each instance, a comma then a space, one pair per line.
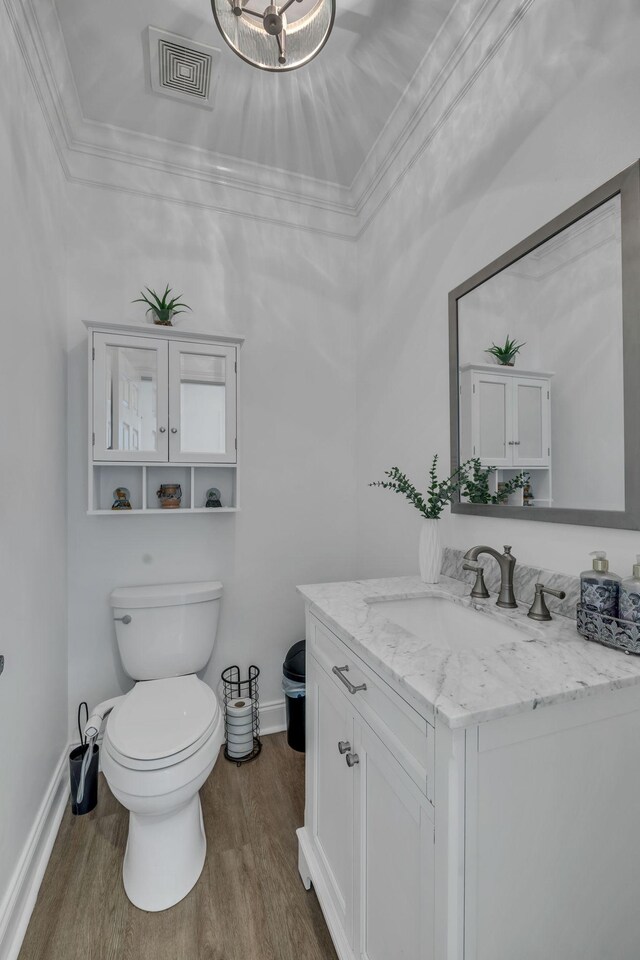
507, 549
479, 590
539, 609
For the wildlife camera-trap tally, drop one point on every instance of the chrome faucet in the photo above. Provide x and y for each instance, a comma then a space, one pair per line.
506, 562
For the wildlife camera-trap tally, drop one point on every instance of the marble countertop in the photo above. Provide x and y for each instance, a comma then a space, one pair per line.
548, 663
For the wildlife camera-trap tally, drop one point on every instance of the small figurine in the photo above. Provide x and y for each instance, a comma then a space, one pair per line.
121, 499
213, 497
170, 495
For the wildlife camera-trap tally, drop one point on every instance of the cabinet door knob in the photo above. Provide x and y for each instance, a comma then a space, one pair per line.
163, 429
174, 429
352, 759
344, 746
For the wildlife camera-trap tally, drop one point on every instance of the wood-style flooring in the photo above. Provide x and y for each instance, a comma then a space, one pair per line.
249, 903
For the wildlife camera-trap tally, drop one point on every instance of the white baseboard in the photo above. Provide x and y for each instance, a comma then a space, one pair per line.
273, 718
18, 904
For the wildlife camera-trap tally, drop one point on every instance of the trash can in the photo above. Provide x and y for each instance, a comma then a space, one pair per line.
293, 683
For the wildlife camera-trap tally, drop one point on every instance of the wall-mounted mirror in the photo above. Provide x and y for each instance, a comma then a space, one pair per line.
552, 430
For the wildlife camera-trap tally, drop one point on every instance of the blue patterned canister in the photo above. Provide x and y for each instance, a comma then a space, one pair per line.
630, 595
600, 596
600, 589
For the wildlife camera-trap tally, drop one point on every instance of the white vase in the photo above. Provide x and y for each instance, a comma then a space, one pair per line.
430, 551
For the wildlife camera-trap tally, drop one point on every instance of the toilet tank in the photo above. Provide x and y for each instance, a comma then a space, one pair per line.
167, 629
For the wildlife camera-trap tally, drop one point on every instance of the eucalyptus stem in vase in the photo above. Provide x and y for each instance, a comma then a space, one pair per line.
439, 494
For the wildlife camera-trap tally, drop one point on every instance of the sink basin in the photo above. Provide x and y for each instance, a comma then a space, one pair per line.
450, 625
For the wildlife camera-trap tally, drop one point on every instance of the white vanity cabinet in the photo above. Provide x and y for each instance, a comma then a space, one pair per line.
163, 409
368, 840
507, 839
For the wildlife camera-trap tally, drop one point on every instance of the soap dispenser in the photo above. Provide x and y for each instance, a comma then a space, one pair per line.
599, 588
630, 595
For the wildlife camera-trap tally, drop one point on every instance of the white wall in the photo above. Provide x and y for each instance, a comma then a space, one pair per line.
33, 687
290, 294
555, 114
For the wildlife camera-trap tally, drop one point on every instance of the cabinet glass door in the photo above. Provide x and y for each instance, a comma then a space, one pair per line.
531, 415
491, 427
202, 403
129, 398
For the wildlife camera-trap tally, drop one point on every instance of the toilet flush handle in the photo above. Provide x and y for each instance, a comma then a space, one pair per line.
125, 619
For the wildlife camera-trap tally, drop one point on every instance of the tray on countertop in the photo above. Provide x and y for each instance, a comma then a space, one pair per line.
610, 631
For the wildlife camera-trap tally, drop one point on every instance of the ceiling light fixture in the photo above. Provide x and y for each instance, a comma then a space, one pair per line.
277, 38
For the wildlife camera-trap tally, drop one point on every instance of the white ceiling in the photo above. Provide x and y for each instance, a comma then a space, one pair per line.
319, 122
320, 149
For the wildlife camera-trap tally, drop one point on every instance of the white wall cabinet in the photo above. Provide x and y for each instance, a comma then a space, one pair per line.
369, 829
505, 416
163, 409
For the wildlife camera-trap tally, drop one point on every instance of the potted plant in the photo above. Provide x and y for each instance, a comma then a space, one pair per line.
476, 484
507, 354
163, 308
439, 494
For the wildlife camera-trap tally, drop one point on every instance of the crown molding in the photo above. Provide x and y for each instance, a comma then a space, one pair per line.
101, 155
442, 82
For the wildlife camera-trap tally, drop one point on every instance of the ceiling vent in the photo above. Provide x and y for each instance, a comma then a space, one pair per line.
182, 69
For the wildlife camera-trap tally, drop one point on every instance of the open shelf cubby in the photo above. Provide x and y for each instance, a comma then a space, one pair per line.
143, 482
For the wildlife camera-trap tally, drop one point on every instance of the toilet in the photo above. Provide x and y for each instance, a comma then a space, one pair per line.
163, 738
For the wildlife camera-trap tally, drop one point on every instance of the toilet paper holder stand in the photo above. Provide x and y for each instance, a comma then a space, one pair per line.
241, 714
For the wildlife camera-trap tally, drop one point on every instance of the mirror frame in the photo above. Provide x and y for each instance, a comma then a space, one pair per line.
627, 186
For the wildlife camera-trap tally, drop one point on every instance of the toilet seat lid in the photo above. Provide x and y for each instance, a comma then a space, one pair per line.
160, 718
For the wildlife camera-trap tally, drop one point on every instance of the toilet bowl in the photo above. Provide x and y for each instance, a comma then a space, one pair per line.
163, 738
160, 745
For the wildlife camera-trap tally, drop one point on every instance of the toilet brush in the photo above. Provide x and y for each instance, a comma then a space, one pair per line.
83, 770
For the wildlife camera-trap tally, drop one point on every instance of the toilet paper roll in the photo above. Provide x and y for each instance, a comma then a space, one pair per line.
234, 721
238, 731
241, 747
238, 709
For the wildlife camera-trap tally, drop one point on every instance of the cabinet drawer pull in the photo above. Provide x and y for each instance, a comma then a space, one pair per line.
174, 429
352, 759
339, 672
344, 746
163, 429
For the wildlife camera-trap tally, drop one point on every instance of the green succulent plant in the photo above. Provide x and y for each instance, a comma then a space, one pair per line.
506, 355
164, 307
